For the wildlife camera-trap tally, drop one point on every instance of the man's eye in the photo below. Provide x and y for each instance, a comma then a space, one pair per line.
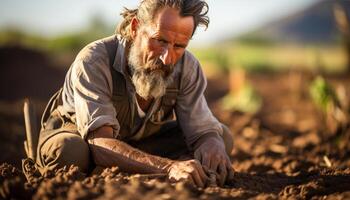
180, 46
162, 41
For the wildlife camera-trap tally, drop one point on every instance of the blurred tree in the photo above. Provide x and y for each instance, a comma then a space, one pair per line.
341, 16
98, 27
74, 42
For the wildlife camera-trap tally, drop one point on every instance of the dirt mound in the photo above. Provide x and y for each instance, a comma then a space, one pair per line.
70, 183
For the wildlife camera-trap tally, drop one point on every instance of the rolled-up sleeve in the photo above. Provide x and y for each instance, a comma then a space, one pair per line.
192, 111
92, 89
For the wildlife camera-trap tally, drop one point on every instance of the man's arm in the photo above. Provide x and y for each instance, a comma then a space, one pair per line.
202, 130
108, 151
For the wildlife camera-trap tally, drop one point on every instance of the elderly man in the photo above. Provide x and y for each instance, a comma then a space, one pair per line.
135, 100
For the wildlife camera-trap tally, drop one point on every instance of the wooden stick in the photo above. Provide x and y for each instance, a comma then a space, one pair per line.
31, 129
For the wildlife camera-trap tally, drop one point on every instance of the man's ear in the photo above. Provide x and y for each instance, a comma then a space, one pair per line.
134, 27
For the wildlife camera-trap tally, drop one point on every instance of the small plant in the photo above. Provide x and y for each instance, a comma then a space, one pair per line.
323, 95
242, 96
246, 100
332, 104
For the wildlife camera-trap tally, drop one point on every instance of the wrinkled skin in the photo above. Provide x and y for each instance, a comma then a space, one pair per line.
212, 155
190, 170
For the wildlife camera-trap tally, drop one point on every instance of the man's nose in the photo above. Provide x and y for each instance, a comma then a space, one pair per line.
167, 56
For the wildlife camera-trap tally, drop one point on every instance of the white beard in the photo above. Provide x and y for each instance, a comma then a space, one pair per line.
148, 83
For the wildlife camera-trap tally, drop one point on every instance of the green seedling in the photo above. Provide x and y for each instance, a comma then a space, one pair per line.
323, 95
246, 100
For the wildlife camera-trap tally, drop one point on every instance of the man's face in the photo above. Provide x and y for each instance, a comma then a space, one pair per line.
156, 48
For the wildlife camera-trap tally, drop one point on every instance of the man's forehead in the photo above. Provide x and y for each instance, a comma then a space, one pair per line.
169, 20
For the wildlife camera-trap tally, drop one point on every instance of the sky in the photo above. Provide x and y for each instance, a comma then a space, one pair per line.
228, 18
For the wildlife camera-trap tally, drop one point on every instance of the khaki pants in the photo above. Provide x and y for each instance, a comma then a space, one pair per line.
61, 145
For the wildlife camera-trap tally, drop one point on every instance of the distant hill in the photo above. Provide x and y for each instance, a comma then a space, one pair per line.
315, 24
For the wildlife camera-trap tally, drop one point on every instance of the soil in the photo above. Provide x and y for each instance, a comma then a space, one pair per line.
283, 151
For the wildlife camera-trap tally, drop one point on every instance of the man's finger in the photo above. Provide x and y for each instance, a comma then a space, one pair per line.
231, 174
214, 163
222, 173
201, 172
206, 161
198, 180
190, 179
198, 156
206, 169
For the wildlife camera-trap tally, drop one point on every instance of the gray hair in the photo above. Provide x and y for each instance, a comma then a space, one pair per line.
147, 10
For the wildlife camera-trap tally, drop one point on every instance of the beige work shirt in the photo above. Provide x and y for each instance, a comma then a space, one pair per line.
88, 88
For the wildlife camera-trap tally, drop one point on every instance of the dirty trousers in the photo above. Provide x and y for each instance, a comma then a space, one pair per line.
61, 145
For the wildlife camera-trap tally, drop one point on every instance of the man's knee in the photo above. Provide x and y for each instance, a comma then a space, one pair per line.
64, 149
228, 139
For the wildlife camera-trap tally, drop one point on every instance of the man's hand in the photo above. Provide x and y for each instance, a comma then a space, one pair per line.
189, 170
212, 155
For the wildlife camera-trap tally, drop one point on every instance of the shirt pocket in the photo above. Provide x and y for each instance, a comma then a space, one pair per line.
166, 111
156, 122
